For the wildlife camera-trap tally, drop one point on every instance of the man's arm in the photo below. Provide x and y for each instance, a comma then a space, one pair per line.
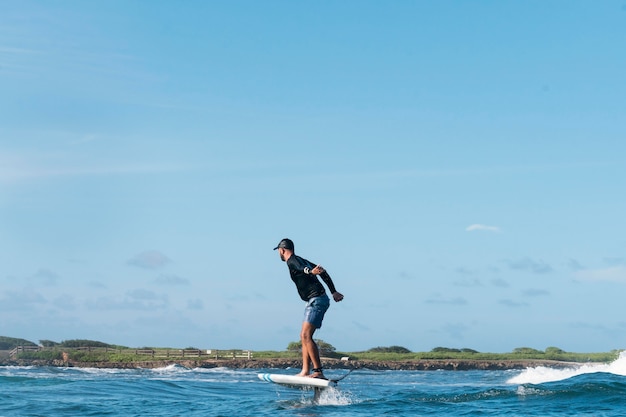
319, 270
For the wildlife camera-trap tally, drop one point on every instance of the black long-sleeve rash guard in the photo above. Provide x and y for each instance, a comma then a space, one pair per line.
306, 282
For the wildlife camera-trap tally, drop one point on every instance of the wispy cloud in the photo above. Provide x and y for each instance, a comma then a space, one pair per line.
530, 265
535, 292
612, 274
468, 283
575, 265
455, 330
170, 279
151, 259
65, 302
482, 227
21, 300
195, 304
16, 166
511, 303
613, 261
458, 301
499, 282
45, 277
140, 300
14, 173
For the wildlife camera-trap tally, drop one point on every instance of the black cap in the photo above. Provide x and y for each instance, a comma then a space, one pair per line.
285, 244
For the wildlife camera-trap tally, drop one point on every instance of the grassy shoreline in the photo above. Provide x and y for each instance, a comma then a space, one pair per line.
130, 358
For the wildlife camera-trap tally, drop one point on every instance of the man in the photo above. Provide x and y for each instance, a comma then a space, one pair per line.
304, 275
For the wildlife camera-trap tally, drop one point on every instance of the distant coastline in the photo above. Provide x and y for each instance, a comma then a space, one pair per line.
329, 363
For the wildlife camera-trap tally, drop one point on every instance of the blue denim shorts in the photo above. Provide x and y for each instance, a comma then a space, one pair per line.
315, 310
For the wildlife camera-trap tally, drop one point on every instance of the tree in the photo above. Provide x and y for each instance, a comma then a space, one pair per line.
324, 348
445, 350
294, 346
390, 349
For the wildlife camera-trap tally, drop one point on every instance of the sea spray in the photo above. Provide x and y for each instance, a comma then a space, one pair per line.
542, 374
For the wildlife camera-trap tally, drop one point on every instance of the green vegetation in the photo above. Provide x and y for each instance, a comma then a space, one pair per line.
325, 348
47, 355
390, 349
78, 343
398, 353
93, 351
8, 343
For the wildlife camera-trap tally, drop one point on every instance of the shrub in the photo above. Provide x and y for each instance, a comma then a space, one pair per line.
43, 355
526, 351
76, 343
390, 349
324, 348
445, 350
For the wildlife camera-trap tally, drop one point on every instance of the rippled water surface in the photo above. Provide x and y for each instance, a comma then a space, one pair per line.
593, 390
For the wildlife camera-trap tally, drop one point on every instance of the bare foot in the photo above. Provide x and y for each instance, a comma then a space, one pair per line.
302, 373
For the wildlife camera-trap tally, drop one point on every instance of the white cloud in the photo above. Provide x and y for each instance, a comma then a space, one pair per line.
612, 274
483, 227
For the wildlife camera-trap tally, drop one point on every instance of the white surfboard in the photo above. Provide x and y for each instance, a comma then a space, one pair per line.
297, 381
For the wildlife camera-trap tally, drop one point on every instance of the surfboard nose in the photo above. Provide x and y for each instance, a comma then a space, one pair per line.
265, 377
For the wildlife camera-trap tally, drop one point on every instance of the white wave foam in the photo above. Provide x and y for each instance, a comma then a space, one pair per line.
218, 370
170, 369
98, 370
333, 396
542, 374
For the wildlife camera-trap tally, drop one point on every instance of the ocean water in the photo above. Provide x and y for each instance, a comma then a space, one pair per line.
588, 390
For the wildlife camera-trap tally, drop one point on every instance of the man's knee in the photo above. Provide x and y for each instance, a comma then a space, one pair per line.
306, 334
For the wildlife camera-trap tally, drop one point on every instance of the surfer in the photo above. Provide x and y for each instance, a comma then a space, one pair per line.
304, 275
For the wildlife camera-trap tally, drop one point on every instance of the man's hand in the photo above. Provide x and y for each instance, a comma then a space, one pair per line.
337, 296
318, 270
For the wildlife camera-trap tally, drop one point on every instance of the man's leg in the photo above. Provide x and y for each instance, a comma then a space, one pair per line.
306, 334
310, 352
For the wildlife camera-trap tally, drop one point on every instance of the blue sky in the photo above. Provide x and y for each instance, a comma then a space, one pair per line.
457, 166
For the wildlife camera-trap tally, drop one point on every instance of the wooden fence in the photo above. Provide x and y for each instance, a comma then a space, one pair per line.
153, 353
20, 349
